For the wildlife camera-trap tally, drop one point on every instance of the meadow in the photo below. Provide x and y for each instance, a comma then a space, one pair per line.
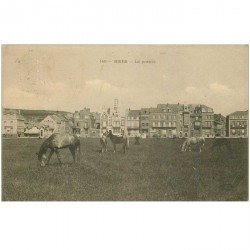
156, 170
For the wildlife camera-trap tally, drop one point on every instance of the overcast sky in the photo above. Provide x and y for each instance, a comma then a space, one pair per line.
72, 77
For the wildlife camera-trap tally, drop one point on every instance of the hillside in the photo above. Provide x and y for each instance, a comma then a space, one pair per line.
36, 115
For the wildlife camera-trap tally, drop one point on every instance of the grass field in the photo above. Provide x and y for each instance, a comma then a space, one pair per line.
156, 170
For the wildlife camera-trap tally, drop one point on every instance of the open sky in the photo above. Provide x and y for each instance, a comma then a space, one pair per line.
71, 77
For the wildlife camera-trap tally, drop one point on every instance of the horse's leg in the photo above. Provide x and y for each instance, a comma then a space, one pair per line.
73, 152
102, 147
50, 154
114, 147
78, 155
58, 156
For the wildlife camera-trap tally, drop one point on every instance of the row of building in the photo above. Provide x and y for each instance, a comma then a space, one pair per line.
164, 120
177, 120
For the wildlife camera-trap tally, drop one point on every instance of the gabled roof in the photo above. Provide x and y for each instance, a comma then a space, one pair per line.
134, 112
173, 107
56, 118
63, 117
149, 109
206, 108
239, 113
219, 118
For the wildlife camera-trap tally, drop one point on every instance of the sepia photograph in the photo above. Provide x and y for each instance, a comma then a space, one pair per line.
125, 122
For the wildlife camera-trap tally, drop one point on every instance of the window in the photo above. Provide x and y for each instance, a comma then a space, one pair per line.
169, 124
153, 116
159, 124
207, 124
233, 131
164, 124
174, 124
243, 131
153, 124
197, 124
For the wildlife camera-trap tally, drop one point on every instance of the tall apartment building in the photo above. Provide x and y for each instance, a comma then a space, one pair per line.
164, 120
133, 122
86, 123
13, 124
144, 121
237, 124
198, 120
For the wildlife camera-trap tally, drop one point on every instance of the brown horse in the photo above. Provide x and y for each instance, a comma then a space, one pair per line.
56, 142
104, 142
124, 140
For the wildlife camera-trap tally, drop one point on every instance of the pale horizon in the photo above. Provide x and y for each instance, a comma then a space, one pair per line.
71, 77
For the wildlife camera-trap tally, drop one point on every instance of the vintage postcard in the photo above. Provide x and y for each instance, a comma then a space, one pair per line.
125, 122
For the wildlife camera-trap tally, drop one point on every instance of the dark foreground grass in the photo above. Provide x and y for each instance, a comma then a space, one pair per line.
156, 170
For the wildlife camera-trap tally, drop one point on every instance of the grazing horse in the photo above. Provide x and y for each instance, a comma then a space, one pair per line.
104, 142
124, 140
56, 142
219, 142
198, 141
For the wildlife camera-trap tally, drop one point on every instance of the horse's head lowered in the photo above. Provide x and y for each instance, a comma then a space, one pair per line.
42, 154
42, 159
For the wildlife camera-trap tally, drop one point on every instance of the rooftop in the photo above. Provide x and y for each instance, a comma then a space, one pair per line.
239, 113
